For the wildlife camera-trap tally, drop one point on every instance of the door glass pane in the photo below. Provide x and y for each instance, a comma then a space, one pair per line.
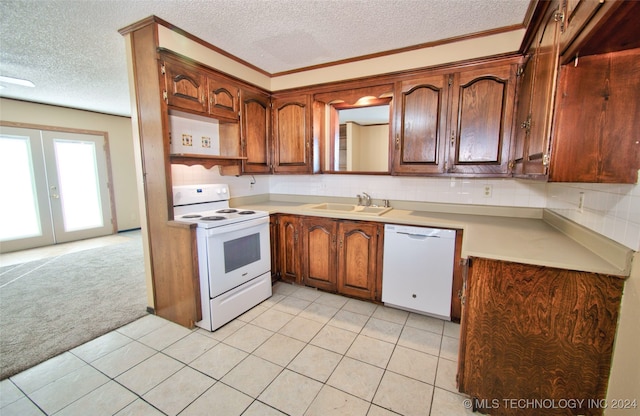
78, 184
19, 217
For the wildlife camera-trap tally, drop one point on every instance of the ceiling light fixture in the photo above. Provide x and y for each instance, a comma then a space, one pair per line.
17, 81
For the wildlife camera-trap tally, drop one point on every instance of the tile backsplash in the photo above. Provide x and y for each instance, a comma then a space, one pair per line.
611, 210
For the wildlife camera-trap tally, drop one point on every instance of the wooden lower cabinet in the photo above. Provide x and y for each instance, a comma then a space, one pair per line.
359, 258
319, 253
338, 256
536, 333
289, 248
273, 247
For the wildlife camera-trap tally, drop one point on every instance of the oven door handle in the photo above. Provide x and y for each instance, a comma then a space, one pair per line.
237, 226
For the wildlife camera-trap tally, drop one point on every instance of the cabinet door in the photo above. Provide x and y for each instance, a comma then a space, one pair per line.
274, 233
523, 113
536, 332
598, 119
319, 252
291, 134
256, 133
482, 119
223, 98
542, 100
420, 126
185, 86
289, 251
534, 117
359, 258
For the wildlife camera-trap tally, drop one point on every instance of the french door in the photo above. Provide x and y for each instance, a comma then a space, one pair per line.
54, 187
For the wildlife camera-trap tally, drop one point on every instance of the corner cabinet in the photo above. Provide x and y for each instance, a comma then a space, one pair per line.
536, 333
456, 123
598, 119
292, 131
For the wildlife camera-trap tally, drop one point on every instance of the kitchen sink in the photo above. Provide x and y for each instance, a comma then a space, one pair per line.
356, 209
334, 207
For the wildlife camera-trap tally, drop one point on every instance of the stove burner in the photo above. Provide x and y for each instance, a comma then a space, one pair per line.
246, 212
213, 218
192, 216
227, 211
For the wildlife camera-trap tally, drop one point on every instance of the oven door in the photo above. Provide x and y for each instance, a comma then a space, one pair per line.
237, 253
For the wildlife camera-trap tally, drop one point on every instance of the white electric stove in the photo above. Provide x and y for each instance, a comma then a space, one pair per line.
234, 258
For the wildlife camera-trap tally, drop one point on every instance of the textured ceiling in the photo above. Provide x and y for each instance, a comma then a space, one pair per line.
72, 51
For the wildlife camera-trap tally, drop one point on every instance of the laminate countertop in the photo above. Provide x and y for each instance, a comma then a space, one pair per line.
529, 236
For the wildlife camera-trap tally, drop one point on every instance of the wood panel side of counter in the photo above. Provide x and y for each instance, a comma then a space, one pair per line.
533, 332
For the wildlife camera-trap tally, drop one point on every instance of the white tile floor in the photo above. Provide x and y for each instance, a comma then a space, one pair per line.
301, 352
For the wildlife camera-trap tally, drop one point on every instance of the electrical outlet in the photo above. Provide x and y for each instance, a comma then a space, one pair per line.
581, 202
487, 191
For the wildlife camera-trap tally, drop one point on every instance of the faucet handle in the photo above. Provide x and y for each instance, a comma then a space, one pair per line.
359, 199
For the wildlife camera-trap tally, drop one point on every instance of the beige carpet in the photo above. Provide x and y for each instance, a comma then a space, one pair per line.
51, 305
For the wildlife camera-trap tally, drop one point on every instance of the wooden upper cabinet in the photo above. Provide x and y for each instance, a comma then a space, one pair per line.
256, 132
224, 98
482, 107
598, 119
292, 134
536, 94
359, 256
319, 252
421, 123
185, 86
573, 17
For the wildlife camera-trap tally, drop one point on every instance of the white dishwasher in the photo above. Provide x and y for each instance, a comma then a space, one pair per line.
417, 271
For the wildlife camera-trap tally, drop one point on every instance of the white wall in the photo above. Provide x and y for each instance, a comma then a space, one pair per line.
120, 146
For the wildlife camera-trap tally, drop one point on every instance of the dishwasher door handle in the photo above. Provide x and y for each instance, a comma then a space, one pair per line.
418, 236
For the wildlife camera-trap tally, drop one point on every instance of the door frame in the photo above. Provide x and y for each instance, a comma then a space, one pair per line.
104, 134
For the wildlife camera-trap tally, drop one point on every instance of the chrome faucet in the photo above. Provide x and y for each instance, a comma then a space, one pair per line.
367, 199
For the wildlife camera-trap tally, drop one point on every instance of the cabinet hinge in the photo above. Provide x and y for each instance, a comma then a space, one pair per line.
450, 80
165, 96
559, 17
545, 160
461, 296
162, 69
526, 124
